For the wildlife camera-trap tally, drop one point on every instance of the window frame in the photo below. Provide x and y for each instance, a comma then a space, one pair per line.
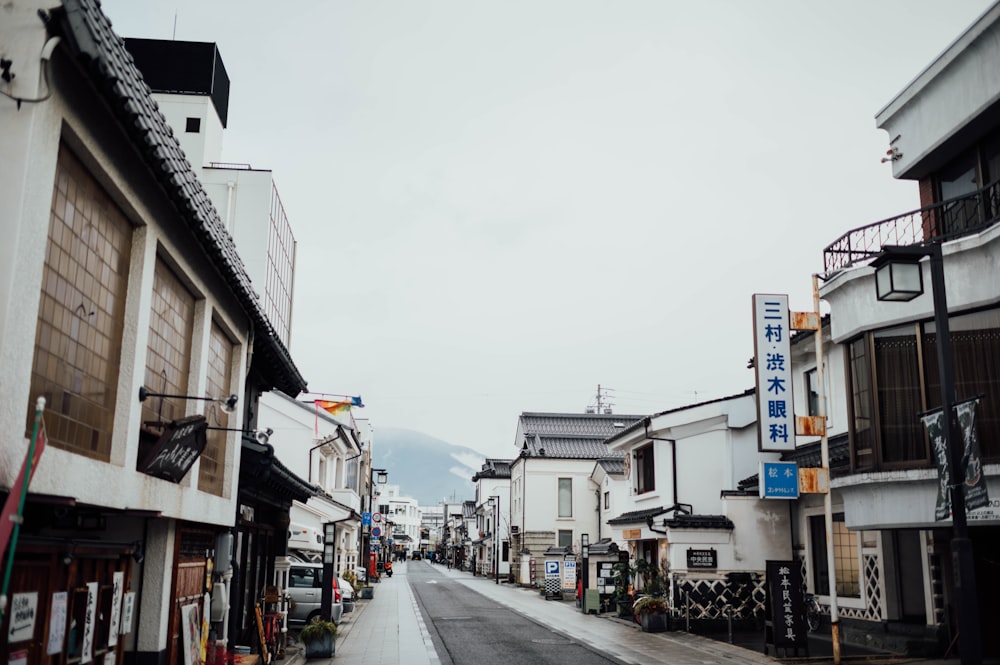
645, 469
564, 497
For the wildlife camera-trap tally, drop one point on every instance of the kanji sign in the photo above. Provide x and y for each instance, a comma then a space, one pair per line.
773, 366
779, 480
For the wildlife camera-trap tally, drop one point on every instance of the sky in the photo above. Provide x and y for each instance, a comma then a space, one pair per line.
500, 206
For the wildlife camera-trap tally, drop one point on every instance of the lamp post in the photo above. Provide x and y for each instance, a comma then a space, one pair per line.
899, 277
495, 503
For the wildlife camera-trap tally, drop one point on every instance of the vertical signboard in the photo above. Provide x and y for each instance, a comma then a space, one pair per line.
773, 367
786, 604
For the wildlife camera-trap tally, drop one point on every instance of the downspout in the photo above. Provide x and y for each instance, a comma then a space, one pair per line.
320, 445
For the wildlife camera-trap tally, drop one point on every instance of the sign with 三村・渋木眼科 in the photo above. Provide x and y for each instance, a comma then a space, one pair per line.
773, 369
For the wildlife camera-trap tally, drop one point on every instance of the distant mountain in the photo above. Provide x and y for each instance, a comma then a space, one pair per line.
426, 468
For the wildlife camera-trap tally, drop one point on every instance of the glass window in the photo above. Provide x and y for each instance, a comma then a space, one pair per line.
862, 436
168, 355
565, 497
211, 472
812, 392
565, 538
607, 500
81, 313
645, 476
957, 180
899, 395
845, 557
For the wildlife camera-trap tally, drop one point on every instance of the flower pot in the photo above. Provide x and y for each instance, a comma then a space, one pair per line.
323, 647
367, 592
653, 623
624, 609
348, 606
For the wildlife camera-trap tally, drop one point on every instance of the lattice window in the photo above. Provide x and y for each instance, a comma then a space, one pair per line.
211, 473
81, 313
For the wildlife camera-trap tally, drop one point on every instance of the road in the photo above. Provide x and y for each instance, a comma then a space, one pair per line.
468, 628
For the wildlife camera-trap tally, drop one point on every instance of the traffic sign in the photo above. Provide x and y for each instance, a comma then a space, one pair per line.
376, 517
366, 518
376, 532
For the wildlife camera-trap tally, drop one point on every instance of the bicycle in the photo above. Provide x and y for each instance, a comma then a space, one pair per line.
813, 612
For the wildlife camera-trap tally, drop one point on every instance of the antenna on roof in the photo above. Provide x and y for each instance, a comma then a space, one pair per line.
603, 401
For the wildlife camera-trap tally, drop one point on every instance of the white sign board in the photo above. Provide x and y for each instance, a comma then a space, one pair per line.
773, 366
569, 574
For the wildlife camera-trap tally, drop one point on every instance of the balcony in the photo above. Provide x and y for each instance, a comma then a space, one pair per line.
954, 218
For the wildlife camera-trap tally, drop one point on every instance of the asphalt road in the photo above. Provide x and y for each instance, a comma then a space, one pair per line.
470, 629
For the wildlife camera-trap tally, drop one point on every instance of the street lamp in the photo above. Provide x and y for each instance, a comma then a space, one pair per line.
495, 504
899, 277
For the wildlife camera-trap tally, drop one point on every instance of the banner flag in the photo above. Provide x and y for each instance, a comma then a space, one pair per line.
974, 485
935, 423
973, 481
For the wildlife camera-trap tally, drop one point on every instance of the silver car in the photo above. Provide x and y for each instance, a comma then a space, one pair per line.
305, 591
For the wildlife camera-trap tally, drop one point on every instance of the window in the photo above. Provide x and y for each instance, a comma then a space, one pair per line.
211, 472
565, 497
897, 378
645, 477
168, 356
81, 313
845, 557
812, 392
607, 500
565, 538
193, 125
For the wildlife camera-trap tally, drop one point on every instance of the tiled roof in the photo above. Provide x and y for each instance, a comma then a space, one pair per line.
699, 522
810, 456
494, 468
614, 466
88, 36
469, 509
567, 447
595, 425
637, 516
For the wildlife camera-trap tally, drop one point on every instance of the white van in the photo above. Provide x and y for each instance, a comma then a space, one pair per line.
305, 538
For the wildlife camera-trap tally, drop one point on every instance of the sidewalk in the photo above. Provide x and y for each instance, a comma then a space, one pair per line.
389, 630
379, 631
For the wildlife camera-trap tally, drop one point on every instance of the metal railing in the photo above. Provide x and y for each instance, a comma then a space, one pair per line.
946, 220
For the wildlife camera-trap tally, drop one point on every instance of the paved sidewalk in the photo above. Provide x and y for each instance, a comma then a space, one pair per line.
389, 630
380, 631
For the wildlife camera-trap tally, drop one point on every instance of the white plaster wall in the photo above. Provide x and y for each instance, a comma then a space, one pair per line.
28, 156
954, 89
204, 146
542, 489
851, 293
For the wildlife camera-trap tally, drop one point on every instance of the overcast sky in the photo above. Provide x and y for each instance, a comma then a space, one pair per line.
501, 205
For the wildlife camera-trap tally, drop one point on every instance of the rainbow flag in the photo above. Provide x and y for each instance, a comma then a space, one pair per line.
339, 406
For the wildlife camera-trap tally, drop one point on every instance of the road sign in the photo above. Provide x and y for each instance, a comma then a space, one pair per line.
366, 518
779, 480
376, 532
376, 517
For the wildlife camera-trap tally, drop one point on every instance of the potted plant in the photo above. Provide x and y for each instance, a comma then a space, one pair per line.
351, 579
319, 638
622, 574
652, 611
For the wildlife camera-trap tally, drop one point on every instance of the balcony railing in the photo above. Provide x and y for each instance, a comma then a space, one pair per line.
946, 220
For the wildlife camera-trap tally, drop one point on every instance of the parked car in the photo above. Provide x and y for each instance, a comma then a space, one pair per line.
305, 592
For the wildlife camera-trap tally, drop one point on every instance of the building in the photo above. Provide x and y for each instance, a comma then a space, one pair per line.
682, 512
127, 307
552, 495
191, 88
493, 517
944, 133
326, 453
